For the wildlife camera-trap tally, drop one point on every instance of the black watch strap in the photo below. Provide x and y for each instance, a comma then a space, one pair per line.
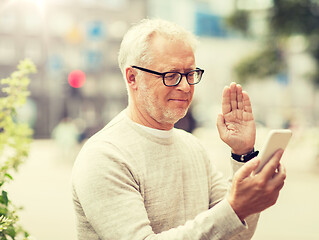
246, 157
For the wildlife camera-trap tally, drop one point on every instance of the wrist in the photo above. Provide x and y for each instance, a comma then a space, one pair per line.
245, 157
242, 151
236, 210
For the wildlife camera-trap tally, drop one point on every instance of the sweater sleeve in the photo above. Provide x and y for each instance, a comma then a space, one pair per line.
218, 192
107, 189
251, 221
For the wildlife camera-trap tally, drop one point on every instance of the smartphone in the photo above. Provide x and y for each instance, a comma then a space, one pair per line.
277, 139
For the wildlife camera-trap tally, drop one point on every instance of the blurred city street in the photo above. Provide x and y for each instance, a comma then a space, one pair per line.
42, 187
269, 47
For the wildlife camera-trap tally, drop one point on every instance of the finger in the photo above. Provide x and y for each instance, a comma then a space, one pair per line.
233, 96
280, 186
279, 177
240, 103
246, 102
270, 168
226, 107
246, 170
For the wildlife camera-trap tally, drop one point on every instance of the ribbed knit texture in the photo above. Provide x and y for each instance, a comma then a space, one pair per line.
130, 185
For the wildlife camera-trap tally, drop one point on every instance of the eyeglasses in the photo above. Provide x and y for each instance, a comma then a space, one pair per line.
171, 79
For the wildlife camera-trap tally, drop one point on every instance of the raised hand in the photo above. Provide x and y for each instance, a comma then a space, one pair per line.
236, 124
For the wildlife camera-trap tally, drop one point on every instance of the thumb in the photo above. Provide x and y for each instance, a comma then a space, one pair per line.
246, 170
221, 127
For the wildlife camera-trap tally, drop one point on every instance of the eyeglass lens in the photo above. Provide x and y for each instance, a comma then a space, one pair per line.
174, 78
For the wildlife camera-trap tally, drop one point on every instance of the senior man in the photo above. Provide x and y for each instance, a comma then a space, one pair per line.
139, 178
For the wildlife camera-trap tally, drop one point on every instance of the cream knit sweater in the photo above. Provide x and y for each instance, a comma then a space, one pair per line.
130, 185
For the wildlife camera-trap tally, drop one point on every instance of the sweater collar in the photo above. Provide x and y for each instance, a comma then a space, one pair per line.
156, 132
156, 135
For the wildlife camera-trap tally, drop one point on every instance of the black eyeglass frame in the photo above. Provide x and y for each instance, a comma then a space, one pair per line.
164, 73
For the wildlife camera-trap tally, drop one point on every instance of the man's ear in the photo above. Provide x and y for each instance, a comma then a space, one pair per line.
130, 74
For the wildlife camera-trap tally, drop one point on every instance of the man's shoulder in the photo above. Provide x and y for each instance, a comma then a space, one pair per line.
114, 129
113, 133
106, 143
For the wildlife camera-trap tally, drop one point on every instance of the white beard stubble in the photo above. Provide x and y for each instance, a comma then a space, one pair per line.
156, 111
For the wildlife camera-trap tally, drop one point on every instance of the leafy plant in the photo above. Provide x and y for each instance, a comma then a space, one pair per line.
15, 139
264, 63
286, 18
239, 20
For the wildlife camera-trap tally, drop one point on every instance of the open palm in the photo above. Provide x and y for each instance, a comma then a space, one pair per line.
236, 124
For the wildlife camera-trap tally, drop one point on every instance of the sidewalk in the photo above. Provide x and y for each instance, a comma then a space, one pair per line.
42, 186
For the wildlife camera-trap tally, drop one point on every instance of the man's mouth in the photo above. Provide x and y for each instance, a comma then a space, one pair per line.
178, 99
180, 102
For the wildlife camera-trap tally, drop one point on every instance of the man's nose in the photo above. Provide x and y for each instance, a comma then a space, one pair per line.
183, 85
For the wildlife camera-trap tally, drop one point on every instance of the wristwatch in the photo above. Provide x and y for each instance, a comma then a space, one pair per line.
245, 157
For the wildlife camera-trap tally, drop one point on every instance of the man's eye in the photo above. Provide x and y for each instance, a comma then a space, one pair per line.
191, 74
172, 76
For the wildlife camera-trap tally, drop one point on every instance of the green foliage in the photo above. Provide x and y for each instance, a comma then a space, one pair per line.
289, 17
15, 139
264, 63
239, 21
285, 19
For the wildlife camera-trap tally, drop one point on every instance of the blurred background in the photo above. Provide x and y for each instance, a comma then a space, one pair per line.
271, 47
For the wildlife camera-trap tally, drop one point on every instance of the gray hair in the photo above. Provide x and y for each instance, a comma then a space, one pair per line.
136, 42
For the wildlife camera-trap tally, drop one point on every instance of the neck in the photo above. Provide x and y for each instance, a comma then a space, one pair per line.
136, 115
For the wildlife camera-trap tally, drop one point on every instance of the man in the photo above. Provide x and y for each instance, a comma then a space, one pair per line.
139, 178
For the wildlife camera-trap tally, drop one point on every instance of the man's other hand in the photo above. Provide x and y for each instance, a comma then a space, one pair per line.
252, 193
